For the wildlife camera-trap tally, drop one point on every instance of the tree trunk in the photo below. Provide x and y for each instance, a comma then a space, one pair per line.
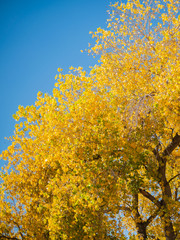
140, 225
141, 230
168, 229
166, 196
165, 186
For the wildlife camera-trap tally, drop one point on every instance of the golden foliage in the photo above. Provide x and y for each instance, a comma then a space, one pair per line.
100, 155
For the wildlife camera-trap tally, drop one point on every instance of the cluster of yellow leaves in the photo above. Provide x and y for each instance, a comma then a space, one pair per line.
78, 157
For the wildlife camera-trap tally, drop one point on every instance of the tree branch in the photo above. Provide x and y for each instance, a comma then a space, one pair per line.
5, 237
156, 153
123, 208
175, 142
173, 177
19, 229
168, 150
150, 197
154, 215
135, 202
176, 194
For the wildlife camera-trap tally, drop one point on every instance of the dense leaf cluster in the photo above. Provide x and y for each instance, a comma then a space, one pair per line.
99, 158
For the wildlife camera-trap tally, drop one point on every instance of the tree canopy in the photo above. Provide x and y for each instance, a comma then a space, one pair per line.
99, 158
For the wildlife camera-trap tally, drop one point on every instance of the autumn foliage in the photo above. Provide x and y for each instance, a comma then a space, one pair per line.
99, 158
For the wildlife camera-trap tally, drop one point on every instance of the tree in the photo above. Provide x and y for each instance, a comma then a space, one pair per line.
101, 155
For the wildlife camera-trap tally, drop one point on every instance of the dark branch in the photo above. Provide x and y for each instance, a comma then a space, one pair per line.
135, 202
173, 177
175, 142
18, 228
150, 197
123, 208
96, 157
156, 153
176, 194
154, 215
127, 209
2, 237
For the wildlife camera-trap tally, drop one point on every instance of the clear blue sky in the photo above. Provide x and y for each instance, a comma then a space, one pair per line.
37, 37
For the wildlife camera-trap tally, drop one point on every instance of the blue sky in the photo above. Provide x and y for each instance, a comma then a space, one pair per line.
37, 37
